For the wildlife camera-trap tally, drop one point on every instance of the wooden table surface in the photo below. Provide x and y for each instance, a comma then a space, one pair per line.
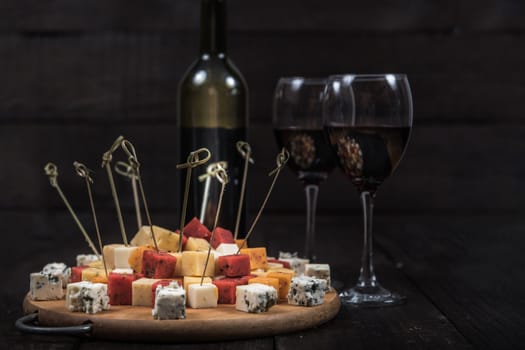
462, 275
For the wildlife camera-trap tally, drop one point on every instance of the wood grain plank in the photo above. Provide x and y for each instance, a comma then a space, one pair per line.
165, 15
120, 78
472, 168
471, 269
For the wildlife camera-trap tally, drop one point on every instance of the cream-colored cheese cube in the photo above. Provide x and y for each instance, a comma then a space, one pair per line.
193, 263
122, 257
109, 254
228, 248
141, 292
202, 296
189, 280
321, 271
45, 287
194, 243
178, 265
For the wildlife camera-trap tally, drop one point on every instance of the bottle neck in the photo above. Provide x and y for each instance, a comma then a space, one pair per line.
213, 27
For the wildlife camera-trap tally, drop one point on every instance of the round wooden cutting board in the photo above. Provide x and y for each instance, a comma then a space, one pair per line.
222, 323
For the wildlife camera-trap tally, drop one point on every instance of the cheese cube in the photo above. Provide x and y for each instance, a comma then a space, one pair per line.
259, 273
269, 281
163, 283
45, 287
87, 297
135, 258
194, 243
119, 288
170, 242
273, 265
255, 298
178, 266
283, 270
241, 244
235, 265
285, 280
158, 264
143, 236
122, 255
58, 270
193, 263
227, 248
318, 271
307, 291
85, 259
296, 264
141, 291
170, 303
202, 296
257, 257
76, 273
108, 252
92, 273
226, 288
285, 264
221, 235
196, 229
188, 280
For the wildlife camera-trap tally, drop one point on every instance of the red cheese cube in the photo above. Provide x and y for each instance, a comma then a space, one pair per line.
194, 228
158, 264
226, 289
76, 273
286, 264
222, 235
235, 265
119, 288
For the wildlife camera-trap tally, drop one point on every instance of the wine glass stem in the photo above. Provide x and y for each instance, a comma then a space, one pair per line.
367, 277
311, 191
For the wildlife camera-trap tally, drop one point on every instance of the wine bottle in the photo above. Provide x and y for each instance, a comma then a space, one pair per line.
213, 113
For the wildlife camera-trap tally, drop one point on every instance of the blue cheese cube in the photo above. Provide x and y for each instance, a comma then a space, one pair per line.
45, 287
59, 270
307, 291
87, 297
296, 264
255, 298
321, 271
86, 259
170, 303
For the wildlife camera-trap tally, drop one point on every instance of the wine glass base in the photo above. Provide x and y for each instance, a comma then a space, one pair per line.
370, 296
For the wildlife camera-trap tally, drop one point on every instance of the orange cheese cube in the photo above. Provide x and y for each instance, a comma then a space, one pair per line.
258, 258
269, 281
285, 279
135, 258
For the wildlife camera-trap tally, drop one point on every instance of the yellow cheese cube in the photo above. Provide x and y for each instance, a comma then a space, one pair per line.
109, 254
178, 265
283, 270
98, 264
285, 279
272, 282
258, 273
193, 263
192, 280
168, 241
141, 293
258, 258
135, 258
240, 242
94, 273
143, 236
194, 243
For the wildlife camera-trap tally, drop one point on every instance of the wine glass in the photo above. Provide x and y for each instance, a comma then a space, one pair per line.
368, 119
298, 126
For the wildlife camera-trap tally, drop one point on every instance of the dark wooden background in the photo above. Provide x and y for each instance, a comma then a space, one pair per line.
75, 74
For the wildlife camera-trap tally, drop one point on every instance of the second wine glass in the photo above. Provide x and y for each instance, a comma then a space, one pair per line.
298, 126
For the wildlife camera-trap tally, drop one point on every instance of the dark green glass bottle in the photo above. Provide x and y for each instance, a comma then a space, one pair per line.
213, 113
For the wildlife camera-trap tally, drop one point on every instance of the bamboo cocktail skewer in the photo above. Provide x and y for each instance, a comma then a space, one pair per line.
125, 169
52, 172
210, 172
281, 160
83, 172
192, 161
245, 150
222, 177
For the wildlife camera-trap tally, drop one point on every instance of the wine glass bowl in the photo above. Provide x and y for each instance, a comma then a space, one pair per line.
368, 119
298, 126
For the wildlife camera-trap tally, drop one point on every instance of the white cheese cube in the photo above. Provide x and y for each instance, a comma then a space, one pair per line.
123, 271
228, 248
255, 297
122, 257
59, 270
87, 297
45, 287
307, 291
321, 271
86, 259
202, 296
170, 303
